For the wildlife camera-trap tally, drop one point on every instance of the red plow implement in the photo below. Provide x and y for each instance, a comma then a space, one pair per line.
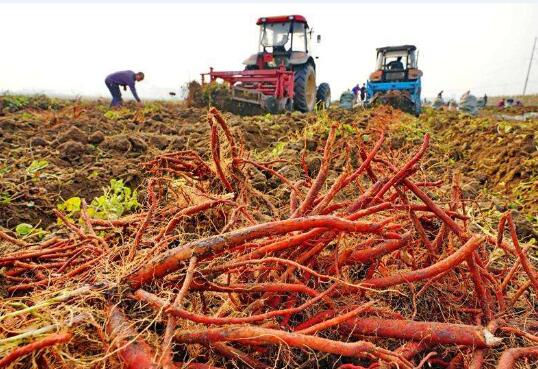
271, 89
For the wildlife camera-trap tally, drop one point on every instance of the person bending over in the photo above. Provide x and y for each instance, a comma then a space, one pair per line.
124, 78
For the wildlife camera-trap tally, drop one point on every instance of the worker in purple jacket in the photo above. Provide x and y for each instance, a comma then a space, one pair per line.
124, 78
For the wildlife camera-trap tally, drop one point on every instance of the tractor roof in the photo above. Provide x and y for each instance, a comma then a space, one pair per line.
282, 18
396, 48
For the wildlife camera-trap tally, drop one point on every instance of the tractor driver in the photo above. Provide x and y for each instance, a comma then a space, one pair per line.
396, 64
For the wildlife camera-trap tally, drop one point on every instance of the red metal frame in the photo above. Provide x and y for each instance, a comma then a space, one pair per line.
277, 82
282, 18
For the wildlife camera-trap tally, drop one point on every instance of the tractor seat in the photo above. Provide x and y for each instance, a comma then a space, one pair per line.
279, 50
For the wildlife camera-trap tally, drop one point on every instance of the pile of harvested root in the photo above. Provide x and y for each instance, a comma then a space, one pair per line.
355, 267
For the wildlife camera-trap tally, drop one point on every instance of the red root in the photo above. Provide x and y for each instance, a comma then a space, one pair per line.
170, 260
134, 352
509, 357
51, 340
428, 332
420, 274
264, 336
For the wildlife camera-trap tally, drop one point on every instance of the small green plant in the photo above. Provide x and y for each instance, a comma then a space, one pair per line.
268, 118
70, 207
112, 115
346, 129
278, 149
532, 219
411, 129
15, 103
118, 114
24, 229
323, 121
93, 174
211, 92
152, 108
28, 230
36, 166
45, 102
5, 198
117, 200
4, 170
27, 116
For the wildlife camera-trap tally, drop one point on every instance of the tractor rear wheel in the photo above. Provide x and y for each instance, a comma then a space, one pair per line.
323, 96
305, 88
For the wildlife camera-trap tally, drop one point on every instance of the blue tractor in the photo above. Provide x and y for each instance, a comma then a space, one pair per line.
396, 81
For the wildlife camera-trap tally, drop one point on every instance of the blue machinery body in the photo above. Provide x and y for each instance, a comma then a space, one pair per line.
413, 88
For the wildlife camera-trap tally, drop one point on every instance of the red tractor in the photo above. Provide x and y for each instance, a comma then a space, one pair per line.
282, 75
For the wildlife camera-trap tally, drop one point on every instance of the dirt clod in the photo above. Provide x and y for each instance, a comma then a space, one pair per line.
118, 143
138, 144
96, 138
160, 142
72, 150
73, 134
38, 141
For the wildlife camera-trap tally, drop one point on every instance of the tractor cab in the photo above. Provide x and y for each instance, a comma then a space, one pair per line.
283, 40
396, 63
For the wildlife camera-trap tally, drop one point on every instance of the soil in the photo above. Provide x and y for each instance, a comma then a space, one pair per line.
498, 158
85, 146
85, 152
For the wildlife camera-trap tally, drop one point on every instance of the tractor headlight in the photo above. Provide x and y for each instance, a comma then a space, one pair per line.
376, 76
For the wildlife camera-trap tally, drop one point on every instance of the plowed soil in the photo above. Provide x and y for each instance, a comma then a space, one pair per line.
83, 145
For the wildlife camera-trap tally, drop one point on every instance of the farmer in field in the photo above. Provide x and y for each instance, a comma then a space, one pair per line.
355, 90
363, 92
124, 78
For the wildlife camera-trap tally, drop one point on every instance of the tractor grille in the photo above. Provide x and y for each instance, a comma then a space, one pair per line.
395, 76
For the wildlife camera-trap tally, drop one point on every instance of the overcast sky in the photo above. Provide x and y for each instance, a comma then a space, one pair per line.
69, 49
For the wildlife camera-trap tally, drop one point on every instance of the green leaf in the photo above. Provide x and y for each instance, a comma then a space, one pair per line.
24, 229
348, 128
36, 166
93, 174
71, 205
278, 149
113, 115
27, 116
5, 198
116, 200
4, 170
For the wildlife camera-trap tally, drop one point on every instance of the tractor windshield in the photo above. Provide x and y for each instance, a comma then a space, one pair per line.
275, 35
393, 60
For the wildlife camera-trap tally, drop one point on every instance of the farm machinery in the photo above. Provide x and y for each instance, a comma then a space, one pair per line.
280, 76
397, 79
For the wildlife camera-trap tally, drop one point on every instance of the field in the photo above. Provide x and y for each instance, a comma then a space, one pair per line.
175, 236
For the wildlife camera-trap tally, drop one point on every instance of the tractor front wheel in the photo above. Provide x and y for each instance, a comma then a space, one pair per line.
305, 88
323, 96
